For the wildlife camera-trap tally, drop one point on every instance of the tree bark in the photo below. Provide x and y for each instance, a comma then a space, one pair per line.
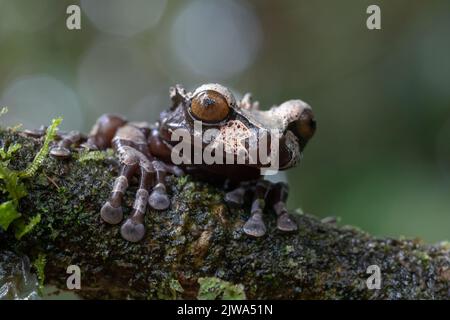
200, 237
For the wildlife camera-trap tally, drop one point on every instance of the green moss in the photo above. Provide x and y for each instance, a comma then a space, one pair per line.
95, 155
212, 288
14, 186
445, 245
8, 213
22, 228
3, 111
7, 153
288, 249
11, 184
39, 265
43, 152
171, 290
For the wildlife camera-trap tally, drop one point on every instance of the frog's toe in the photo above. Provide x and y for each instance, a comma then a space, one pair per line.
255, 226
177, 171
285, 223
60, 152
111, 214
89, 146
235, 198
132, 231
37, 133
159, 199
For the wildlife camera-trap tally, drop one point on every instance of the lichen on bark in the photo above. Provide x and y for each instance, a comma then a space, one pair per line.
199, 237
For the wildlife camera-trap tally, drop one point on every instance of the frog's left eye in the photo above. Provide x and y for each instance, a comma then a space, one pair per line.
304, 127
210, 106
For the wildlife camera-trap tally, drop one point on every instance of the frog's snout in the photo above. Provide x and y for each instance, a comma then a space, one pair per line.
298, 119
300, 125
304, 127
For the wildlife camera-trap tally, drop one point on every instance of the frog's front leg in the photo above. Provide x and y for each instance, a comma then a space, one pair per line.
277, 199
64, 141
255, 224
135, 159
100, 136
62, 148
265, 195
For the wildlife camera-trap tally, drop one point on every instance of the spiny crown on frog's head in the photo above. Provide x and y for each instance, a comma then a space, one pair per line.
216, 107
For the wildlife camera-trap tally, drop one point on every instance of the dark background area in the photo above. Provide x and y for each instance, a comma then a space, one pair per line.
380, 159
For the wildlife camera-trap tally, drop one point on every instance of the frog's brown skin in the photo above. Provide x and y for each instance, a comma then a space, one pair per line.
145, 151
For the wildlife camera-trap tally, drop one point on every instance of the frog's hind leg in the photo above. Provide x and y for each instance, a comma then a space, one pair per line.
158, 198
65, 141
236, 197
62, 149
278, 197
152, 176
112, 212
255, 224
100, 137
133, 228
35, 133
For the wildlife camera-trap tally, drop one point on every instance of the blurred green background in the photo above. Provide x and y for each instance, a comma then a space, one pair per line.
380, 159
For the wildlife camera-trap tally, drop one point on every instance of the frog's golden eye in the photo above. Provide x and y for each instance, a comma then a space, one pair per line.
210, 106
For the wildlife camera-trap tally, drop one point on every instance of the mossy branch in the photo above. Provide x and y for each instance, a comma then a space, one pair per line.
197, 248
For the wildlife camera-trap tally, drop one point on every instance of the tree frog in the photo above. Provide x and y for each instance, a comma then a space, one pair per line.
145, 151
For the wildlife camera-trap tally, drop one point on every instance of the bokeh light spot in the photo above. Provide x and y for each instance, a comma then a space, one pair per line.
123, 18
112, 76
34, 100
216, 39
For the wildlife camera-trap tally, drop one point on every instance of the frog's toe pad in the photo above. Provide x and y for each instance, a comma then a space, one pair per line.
159, 200
234, 199
177, 171
34, 133
60, 152
89, 146
110, 214
132, 231
285, 223
255, 226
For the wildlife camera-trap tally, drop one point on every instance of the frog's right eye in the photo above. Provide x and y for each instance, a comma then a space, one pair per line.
209, 106
304, 127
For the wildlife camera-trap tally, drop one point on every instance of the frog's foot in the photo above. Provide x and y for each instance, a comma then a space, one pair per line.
132, 163
279, 195
158, 198
62, 149
265, 193
255, 224
65, 141
35, 133
151, 177
111, 211
236, 197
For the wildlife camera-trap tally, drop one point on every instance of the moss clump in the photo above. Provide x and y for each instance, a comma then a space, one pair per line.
39, 266
212, 288
95, 155
13, 185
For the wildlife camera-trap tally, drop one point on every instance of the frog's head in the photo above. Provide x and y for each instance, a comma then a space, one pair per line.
215, 107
